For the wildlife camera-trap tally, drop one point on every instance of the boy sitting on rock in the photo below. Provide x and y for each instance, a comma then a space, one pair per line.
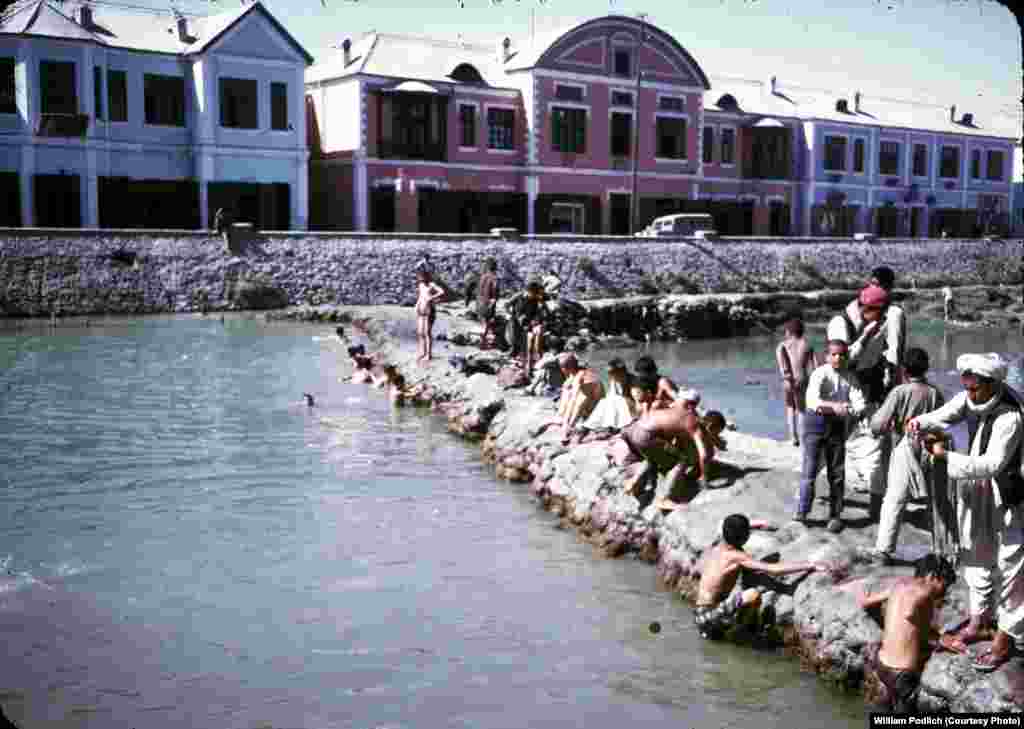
716, 611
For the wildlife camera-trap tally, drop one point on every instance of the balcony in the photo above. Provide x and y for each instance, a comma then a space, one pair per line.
391, 149
63, 125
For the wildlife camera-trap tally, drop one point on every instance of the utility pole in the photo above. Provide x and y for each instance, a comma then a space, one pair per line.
633, 202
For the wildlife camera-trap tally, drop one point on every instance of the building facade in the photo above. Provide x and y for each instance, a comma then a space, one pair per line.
601, 127
113, 119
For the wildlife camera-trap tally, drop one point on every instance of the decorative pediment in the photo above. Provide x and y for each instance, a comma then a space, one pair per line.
590, 53
586, 48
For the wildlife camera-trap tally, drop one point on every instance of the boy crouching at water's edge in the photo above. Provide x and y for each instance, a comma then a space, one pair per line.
717, 610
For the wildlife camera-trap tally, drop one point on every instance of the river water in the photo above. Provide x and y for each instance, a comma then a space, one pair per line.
184, 543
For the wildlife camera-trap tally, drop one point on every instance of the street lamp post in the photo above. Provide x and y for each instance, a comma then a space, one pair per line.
633, 202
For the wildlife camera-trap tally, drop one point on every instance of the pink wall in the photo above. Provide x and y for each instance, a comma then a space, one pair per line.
483, 155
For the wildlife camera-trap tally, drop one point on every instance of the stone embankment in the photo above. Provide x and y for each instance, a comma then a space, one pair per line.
46, 272
815, 618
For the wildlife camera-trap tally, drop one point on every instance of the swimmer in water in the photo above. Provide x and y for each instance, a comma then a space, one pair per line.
310, 402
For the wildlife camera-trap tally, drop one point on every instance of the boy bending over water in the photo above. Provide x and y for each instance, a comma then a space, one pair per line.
912, 603
716, 612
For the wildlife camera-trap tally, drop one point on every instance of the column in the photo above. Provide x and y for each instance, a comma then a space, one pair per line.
89, 191
532, 187
300, 194
360, 193
204, 173
28, 169
808, 229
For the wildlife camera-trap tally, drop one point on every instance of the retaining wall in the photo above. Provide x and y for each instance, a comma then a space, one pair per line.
46, 271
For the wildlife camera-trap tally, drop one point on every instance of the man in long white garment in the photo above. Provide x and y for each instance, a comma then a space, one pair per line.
991, 491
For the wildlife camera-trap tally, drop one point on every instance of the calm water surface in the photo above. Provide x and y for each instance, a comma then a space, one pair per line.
183, 543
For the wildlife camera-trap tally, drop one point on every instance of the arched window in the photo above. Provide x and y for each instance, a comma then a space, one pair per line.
466, 73
726, 101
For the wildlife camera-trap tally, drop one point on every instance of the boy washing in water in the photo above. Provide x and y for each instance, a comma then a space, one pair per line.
716, 612
912, 604
428, 294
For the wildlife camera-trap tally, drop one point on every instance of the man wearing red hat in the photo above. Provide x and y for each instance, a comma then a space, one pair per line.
878, 337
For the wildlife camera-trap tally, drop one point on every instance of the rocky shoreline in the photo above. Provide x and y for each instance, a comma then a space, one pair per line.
814, 619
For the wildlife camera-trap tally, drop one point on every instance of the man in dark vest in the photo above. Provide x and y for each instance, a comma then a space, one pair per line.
989, 493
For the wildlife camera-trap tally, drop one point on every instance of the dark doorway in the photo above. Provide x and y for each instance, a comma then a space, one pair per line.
58, 202
266, 206
915, 222
382, 209
10, 190
619, 214
778, 218
129, 203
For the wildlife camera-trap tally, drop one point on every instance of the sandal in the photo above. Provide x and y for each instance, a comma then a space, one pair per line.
988, 661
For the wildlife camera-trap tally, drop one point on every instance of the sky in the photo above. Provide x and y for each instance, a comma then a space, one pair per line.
966, 52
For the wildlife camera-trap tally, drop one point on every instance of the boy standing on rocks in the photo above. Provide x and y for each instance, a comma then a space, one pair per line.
833, 394
912, 605
716, 612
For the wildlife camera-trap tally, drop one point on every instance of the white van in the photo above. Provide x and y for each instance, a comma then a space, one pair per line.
679, 224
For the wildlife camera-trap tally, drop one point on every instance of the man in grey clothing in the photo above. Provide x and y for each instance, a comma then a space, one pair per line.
905, 476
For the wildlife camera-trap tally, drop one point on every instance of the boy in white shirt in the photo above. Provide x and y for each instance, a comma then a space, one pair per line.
833, 395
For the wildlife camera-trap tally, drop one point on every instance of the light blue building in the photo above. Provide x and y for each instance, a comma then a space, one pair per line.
117, 118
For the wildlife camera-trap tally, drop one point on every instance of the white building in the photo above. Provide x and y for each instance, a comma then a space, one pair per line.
112, 118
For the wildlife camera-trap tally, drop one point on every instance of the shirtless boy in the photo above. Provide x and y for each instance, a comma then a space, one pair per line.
428, 294
912, 605
716, 612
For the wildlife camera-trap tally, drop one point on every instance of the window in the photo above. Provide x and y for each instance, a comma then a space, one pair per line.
708, 145
622, 98
858, 155
165, 100
622, 133
569, 130
117, 95
279, 105
567, 218
728, 146
57, 87
501, 128
8, 103
975, 164
835, 153
623, 62
949, 162
670, 103
920, 160
413, 126
238, 103
671, 133
97, 89
467, 125
994, 165
466, 73
889, 158
568, 93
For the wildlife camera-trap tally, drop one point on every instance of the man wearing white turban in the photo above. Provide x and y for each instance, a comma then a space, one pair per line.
991, 497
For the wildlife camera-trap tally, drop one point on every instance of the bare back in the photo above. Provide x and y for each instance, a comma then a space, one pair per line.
721, 569
908, 617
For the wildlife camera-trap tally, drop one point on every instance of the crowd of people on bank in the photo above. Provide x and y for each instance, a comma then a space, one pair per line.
862, 407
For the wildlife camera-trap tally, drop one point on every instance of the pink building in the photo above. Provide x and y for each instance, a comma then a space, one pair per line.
560, 133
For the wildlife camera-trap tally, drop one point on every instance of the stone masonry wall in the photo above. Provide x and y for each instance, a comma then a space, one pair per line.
45, 271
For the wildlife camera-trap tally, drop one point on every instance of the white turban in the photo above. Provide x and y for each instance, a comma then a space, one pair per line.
837, 330
990, 365
688, 395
